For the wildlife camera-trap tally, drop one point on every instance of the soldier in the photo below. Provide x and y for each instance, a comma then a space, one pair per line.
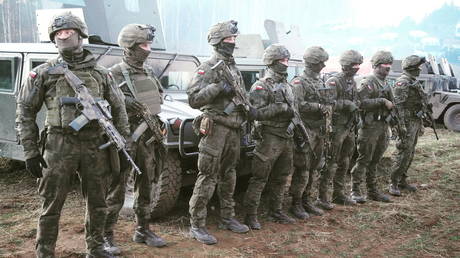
342, 140
312, 109
376, 104
274, 148
409, 99
142, 92
219, 127
66, 150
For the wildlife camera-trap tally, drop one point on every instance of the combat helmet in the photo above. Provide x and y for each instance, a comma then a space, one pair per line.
133, 34
315, 55
64, 21
222, 30
275, 52
381, 57
350, 57
412, 62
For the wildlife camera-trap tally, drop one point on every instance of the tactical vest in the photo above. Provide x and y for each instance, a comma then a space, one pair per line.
413, 101
346, 90
277, 97
379, 91
144, 87
311, 87
58, 115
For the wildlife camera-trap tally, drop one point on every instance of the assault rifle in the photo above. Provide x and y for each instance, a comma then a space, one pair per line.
393, 118
240, 97
300, 132
149, 122
93, 110
426, 114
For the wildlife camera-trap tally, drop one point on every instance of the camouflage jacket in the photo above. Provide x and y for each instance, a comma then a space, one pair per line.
306, 91
409, 96
206, 91
346, 99
372, 93
274, 115
42, 87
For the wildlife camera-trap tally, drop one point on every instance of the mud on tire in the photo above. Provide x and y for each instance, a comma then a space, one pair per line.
165, 193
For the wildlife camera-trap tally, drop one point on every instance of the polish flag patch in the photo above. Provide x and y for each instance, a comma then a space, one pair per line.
200, 72
332, 83
258, 87
296, 82
399, 83
33, 74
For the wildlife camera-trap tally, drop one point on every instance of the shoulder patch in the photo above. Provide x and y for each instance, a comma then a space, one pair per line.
258, 87
32, 74
399, 83
297, 81
331, 83
200, 72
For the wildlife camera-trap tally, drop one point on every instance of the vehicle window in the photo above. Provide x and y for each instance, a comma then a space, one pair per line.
249, 78
35, 63
292, 72
8, 71
177, 76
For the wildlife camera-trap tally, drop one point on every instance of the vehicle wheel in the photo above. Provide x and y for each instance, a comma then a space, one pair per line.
166, 191
452, 118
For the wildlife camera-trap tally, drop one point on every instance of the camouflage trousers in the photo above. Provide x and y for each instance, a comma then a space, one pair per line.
338, 156
273, 157
65, 154
306, 165
372, 143
405, 151
146, 158
217, 161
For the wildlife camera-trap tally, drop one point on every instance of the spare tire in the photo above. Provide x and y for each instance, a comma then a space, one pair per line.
165, 193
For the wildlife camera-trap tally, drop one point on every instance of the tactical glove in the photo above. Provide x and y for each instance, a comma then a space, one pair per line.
35, 165
388, 104
227, 89
252, 114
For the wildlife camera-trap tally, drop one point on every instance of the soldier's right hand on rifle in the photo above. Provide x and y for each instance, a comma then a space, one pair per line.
35, 166
133, 105
227, 89
388, 104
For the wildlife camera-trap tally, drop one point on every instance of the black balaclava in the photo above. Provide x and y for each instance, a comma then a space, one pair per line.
136, 56
225, 48
349, 71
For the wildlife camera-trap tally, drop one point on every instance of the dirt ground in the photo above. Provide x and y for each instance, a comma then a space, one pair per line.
423, 224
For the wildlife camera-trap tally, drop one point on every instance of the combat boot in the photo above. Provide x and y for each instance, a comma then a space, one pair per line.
233, 225
252, 222
142, 234
324, 204
202, 235
377, 196
357, 197
403, 185
312, 209
44, 251
394, 190
342, 199
297, 210
99, 252
280, 217
109, 244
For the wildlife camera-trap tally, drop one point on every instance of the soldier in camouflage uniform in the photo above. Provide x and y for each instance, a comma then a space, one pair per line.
312, 109
342, 140
410, 99
142, 92
219, 127
376, 104
67, 151
274, 133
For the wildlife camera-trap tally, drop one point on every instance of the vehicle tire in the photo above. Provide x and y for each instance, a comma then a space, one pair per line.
452, 118
165, 193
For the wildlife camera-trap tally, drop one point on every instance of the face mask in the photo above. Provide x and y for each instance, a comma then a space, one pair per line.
70, 45
136, 56
414, 72
226, 48
279, 67
316, 67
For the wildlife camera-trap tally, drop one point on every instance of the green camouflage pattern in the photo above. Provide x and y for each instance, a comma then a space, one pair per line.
219, 150
373, 136
67, 20
275, 52
67, 151
222, 30
315, 54
381, 57
409, 97
273, 154
133, 34
350, 57
412, 62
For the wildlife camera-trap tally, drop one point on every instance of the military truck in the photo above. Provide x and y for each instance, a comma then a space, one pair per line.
441, 86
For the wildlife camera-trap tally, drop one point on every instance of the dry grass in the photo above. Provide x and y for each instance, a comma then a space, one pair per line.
424, 224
